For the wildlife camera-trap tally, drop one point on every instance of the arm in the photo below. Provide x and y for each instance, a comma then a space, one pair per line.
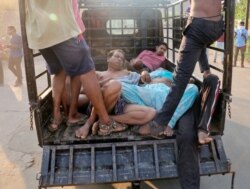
245, 35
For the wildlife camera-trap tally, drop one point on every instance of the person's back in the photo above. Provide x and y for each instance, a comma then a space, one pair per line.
50, 22
207, 9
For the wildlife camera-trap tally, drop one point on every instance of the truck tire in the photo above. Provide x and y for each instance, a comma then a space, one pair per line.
135, 185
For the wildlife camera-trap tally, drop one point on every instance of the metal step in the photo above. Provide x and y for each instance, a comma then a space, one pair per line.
66, 165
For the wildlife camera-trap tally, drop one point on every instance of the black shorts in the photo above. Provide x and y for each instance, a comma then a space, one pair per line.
73, 56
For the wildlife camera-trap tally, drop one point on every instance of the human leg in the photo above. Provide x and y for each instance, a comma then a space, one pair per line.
203, 61
12, 66
135, 114
235, 55
18, 71
242, 50
54, 67
189, 54
188, 165
76, 60
57, 89
207, 102
74, 117
185, 103
111, 93
198, 34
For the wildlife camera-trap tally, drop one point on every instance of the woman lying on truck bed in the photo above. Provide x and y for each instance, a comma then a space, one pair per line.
126, 86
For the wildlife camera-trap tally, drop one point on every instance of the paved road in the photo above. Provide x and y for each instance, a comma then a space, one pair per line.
20, 156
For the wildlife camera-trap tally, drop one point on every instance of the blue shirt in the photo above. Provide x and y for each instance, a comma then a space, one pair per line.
241, 36
16, 52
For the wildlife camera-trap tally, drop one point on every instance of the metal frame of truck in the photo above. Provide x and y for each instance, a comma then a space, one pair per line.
131, 25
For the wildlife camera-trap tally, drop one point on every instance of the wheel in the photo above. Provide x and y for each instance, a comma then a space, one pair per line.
136, 185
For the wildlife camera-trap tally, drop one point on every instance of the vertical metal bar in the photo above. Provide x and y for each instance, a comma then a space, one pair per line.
136, 162
52, 165
175, 150
232, 181
173, 15
29, 68
229, 35
45, 164
92, 164
71, 156
156, 161
28, 56
217, 164
114, 163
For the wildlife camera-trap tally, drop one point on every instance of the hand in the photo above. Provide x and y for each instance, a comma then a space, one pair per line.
206, 73
145, 77
136, 64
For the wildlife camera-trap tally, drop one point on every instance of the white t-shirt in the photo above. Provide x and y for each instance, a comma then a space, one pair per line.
49, 22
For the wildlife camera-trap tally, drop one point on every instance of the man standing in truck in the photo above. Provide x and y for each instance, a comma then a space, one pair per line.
55, 29
205, 25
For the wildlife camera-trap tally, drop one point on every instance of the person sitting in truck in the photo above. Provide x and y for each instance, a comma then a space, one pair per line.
111, 93
65, 52
149, 60
151, 95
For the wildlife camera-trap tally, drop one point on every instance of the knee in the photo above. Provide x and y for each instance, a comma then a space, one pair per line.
151, 112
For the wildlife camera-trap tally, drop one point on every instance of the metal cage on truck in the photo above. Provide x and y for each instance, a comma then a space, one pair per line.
131, 25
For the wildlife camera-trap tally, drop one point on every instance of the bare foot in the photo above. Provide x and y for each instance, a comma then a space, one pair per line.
203, 137
168, 131
83, 131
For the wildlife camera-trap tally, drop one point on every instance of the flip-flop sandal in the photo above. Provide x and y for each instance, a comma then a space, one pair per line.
55, 122
105, 130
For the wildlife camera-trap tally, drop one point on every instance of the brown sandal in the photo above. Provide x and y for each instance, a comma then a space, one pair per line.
105, 130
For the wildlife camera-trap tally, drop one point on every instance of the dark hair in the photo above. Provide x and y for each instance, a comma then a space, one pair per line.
12, 28
163, 43
242, 23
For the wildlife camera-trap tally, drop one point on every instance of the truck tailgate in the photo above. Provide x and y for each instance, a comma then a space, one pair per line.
65, 165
